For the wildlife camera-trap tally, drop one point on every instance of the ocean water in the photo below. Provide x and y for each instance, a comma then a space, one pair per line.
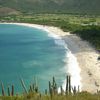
29, 52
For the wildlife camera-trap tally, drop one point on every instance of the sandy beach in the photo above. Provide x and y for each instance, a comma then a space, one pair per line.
87, 58
86, 55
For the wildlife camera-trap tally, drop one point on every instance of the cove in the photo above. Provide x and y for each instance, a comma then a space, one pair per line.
29, 52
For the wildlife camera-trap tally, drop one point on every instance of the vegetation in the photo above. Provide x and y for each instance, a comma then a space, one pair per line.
53, 6
33, 93
34, 96
8, 11
91, 34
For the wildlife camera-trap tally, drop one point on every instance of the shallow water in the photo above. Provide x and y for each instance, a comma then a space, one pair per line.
28, 52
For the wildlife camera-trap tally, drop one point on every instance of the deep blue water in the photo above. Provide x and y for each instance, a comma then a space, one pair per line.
28, 52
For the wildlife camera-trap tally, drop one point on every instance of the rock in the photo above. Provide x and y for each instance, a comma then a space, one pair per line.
99, 58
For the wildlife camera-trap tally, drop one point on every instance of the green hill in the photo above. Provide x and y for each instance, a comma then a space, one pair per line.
53, 6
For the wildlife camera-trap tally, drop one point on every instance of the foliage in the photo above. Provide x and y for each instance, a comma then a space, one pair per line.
53, 94
53, 6
31, 96
91, 34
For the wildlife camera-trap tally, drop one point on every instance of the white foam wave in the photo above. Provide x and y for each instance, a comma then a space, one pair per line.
60, 42
50, 34
71, 67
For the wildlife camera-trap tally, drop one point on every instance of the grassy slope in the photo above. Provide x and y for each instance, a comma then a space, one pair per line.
4, 11
32, 96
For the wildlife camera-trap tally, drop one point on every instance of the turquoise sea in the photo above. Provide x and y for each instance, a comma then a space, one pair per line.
29, 52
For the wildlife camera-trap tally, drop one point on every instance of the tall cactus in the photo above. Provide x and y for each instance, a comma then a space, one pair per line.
33, 87
78, 88
53, 81
8, 91
74, 90
12, 91
46, 92
55, 89
67, 79
23, 85
36, 89
62, 91
35, 81
50, 89
30, 89
2, 87
54, 86
69, 84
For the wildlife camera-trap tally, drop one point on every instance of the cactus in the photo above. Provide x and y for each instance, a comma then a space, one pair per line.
55, 89
53, 82
50, 89
54, 86
8, 91
23, 85
36, 89
12, 92
78, 88
2, 86
35, 82
33, 88
62, 91
74, 90
30, 89
46, 92
69, 84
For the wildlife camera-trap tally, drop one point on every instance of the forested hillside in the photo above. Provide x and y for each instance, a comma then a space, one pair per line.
53, 6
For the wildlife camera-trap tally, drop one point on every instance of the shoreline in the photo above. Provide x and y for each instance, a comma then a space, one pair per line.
86, 56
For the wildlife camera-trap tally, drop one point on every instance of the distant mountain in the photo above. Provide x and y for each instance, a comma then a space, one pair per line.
52, 6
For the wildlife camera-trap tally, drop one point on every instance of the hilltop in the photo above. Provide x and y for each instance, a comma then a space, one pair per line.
51, 6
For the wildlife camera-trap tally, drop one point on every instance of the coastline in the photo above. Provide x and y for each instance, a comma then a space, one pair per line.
86, 56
